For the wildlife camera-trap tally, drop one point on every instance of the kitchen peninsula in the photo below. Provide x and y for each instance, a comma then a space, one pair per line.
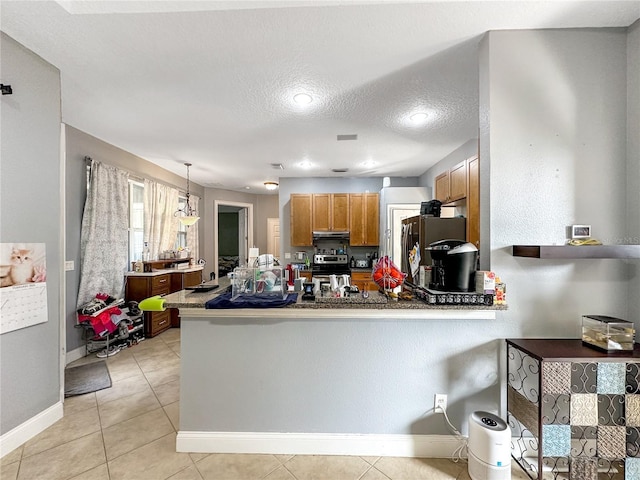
310, 378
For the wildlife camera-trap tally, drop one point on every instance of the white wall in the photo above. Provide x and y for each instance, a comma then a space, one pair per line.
31, 212
556, 145
633, 164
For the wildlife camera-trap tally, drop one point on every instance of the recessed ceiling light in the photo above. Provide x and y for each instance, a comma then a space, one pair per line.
302, 98
368, 163
270, 185
418, 117
306, 164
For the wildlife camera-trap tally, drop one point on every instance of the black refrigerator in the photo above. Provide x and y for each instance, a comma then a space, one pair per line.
424, 230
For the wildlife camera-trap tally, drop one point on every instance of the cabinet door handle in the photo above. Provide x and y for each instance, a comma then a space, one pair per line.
162, 280
162, 322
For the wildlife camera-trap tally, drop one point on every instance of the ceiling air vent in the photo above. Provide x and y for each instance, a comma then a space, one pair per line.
348, 137
277, 166
339, 170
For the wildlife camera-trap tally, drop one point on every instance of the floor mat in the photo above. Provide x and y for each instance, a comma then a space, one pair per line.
86, 378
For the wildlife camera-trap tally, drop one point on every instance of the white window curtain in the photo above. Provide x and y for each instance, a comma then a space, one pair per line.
193, 243
104, 242
160, 224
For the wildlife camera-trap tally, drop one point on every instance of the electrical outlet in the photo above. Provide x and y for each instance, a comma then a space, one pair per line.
287, 255
440, 402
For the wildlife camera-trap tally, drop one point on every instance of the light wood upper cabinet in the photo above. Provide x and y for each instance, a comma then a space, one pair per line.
301, 213
340, 212
458, 181
330, 212
460, 186
365, 219
442, 187
357, 213
473, 201
451, 185
321, 212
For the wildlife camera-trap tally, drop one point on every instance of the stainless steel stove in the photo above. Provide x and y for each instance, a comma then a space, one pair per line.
328, 264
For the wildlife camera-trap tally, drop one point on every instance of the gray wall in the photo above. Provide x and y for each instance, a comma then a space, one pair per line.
633, 164
30, 206
78, 145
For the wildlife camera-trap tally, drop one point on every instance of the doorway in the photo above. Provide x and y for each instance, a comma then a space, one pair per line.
232, 235
395, 214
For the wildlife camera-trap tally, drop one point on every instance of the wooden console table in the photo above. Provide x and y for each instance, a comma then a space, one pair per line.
574, 411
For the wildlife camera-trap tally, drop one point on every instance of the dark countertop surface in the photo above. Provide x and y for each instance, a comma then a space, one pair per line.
376, 300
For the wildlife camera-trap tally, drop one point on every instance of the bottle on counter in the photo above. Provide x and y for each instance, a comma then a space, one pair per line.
352, 262
146, 253
138, 267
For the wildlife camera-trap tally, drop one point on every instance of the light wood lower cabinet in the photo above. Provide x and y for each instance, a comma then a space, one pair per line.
363, 281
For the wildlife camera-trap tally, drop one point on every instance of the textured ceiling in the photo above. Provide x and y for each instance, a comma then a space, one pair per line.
211, 82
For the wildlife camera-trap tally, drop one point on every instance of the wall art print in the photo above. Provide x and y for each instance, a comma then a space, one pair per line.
23, 285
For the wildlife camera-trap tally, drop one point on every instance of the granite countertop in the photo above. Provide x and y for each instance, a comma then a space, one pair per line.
162, 271
376, 300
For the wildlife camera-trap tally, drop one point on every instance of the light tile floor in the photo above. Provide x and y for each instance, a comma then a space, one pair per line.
128, 431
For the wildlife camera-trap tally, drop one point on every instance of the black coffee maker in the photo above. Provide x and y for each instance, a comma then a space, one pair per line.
453, 265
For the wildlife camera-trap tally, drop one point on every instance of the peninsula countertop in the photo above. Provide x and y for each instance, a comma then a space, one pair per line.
376, 305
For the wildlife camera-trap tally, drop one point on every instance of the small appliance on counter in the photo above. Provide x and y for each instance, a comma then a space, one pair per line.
453, 265
431, 208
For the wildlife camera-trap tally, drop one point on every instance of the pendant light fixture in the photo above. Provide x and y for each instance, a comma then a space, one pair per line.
187, 215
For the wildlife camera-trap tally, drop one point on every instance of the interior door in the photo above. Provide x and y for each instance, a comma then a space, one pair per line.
273, 237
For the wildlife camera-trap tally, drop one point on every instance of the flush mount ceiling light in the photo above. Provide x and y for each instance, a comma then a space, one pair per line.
187, 215
368, 164
418, 117
302, 98
270, 185
306, 164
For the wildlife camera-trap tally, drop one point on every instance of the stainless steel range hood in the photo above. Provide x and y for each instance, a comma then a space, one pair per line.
331, 236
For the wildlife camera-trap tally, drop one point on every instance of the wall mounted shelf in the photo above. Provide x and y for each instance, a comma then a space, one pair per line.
570, 251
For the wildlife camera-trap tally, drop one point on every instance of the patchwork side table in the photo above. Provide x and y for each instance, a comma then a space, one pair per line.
574, 411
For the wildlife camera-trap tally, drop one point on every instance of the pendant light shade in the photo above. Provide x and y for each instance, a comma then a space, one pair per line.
187, 215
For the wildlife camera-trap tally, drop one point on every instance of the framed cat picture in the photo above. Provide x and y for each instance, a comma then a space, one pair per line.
23, 285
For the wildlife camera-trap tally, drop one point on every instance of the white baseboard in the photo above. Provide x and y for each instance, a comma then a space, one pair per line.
76, 354
426, 446
29, 429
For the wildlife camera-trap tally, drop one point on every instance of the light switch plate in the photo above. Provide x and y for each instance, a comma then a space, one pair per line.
69, 265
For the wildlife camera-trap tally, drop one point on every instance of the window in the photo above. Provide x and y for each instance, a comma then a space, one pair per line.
181, 239
136, 220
